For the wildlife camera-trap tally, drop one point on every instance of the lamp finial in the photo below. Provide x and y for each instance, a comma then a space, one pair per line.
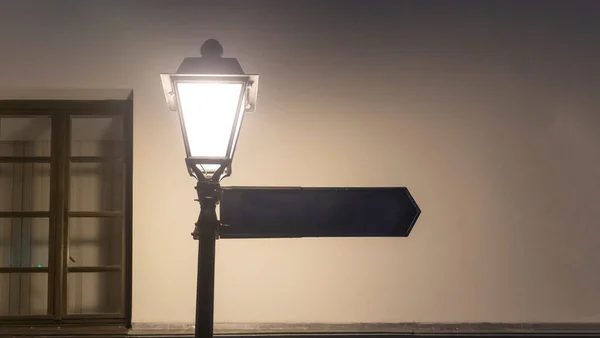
211, 48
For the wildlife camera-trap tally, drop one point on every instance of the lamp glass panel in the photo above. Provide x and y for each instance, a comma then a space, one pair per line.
211, 168
238, 126
209, 112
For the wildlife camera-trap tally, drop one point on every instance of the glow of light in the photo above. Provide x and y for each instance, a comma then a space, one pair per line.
209, 113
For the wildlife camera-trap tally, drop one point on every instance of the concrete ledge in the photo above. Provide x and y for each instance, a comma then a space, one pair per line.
314, 330
372, 329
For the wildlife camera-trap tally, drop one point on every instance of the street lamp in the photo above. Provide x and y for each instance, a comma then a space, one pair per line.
211, 95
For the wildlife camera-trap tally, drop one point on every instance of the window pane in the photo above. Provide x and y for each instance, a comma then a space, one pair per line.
94, 293
95, 241
25, 136
96, 136
24, 242
23, 294
24, 186
96, 186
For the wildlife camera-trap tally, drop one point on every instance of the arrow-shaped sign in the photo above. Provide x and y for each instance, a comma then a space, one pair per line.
249, 212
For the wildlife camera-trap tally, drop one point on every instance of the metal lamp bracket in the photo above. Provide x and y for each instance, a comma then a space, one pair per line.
251, 87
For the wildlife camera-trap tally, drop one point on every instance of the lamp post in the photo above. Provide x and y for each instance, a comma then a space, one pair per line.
211, 95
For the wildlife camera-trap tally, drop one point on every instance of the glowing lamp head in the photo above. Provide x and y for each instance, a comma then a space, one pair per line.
211, 95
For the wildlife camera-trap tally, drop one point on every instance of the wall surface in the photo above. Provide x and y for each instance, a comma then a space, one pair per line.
488, 112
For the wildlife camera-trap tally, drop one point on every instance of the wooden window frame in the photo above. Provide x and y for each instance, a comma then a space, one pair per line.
61, 112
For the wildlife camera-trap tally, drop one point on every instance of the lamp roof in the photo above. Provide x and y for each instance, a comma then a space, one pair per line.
211, 61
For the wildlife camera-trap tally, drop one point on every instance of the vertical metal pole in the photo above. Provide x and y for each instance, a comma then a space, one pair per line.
206, 233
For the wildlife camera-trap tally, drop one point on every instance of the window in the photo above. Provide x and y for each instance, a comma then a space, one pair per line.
65, 212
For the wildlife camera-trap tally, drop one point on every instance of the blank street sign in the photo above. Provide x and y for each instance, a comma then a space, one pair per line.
253, 212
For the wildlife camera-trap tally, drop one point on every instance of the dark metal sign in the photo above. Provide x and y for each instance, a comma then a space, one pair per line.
253, 212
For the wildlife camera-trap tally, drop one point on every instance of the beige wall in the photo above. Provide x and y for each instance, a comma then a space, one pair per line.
491, 121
